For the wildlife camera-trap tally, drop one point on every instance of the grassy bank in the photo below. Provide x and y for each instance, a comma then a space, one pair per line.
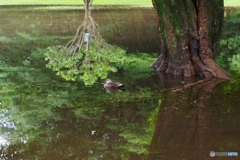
231, 3
76, 2
96, 2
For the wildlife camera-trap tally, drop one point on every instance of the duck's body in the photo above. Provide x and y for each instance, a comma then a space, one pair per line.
113, 85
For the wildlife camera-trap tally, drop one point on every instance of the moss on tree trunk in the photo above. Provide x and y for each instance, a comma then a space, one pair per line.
188, 32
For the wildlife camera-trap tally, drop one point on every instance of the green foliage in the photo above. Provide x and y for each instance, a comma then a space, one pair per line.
88, 113
230, 53
84, 66
5, 39
231, 43
230, 58
154, 115
137, 143
27, 36
235, 62
58, 60
137, 66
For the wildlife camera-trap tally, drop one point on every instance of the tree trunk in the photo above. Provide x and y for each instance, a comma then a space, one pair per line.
87, 3
188, 31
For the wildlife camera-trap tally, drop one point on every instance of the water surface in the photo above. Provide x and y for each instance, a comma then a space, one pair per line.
42, 116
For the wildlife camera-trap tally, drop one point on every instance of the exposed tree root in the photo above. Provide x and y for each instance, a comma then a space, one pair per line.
213, 68
207, 68
88, 26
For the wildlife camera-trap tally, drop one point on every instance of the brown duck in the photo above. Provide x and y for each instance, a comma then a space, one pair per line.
109, 84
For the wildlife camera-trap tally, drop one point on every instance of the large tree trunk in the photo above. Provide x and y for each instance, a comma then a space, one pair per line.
188, 31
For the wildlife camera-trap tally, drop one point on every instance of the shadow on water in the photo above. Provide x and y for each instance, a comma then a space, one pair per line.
189, 124
42, 116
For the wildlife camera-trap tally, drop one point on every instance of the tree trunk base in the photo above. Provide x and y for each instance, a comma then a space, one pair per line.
215, 70
205, 69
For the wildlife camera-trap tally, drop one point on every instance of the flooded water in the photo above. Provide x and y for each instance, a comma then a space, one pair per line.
43, 116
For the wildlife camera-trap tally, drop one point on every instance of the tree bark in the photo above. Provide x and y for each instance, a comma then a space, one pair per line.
188, 31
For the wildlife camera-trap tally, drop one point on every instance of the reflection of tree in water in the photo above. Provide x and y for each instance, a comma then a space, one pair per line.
87, 56
186, 126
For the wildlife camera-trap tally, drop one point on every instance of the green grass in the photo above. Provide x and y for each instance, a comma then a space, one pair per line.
76, 2
96, 2
231, 2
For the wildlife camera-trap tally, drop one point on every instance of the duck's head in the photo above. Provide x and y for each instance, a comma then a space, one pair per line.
107, 81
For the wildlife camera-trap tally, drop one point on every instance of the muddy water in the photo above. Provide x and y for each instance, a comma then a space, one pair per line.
45, 117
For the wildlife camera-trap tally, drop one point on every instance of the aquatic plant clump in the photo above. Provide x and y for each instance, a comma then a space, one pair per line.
83, 65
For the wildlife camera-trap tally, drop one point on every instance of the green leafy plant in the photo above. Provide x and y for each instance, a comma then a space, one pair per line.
230, 54
87, 67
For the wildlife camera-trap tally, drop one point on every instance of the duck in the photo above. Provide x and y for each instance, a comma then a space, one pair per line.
109, 84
